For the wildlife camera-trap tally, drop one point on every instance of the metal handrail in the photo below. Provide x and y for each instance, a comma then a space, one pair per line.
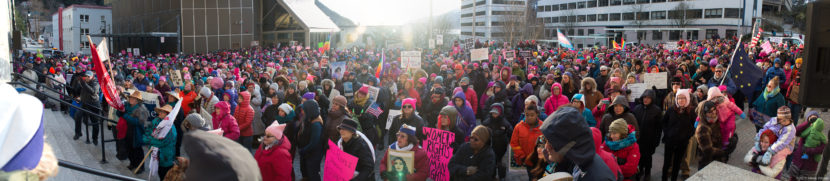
85, 169
49, 88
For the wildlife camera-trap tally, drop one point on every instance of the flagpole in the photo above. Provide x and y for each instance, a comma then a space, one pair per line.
726, 74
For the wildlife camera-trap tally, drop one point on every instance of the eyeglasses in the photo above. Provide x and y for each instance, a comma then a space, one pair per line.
406, 106
718, 71
675, 83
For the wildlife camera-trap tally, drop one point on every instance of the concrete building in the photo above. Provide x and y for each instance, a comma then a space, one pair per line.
597, 22
70, 26
493, 19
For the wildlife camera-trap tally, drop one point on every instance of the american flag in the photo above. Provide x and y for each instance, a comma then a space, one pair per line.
374, 110
756, 37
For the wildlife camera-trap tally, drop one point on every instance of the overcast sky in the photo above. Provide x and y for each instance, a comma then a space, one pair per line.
389, 12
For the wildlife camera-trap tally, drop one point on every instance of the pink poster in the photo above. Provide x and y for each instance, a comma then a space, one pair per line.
437, 146
339, 165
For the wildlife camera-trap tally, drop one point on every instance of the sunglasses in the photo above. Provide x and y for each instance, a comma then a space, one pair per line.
407, 106
718, 71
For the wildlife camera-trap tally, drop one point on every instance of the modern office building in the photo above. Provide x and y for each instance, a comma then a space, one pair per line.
493, 19
597, 22
72, 24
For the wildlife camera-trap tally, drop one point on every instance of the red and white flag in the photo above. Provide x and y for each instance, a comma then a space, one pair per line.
100, 55
756, 37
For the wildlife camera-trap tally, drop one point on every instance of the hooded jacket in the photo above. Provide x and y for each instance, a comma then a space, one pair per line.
467, 118
225, 121
429, 111
136, 116
501, 130
555, 100
501, 97
271, 112
628, 157
567, 127
519, 101
727, 111
592, 96
331, 93
256, 103
809, 132
413, 120
606, 156
244, 115
311, 136
649, 118
232, 95
452, 113
610, 116
275, 163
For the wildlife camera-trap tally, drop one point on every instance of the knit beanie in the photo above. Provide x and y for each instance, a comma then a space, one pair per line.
770, 135
784, 112
465, 80
409, 101
340, 100
532, 98
196, 121
286, 108
410, 130
276, 129
363, 90
482, 132
618, 126
578, 97
309, 95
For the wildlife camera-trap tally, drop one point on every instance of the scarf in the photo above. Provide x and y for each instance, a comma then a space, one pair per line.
813, 137
768, 94
623, 143
361, 101
406, 148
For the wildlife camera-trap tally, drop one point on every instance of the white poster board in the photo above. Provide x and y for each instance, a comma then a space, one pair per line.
392, 114
670, 45
431, 44
373, 94
659, 80
136, 52
478, 54
636, 90
439, 39
410, 59
176, 78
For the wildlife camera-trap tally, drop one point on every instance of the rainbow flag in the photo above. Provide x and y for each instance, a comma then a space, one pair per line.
616, 46
380, 65
563, 41
623, 43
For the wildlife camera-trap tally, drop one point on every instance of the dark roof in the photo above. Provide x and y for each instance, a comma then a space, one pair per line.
339, 20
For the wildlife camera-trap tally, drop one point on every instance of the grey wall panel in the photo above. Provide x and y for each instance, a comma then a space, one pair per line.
236, 17
225, 21
187, 22
213, 43
199, 20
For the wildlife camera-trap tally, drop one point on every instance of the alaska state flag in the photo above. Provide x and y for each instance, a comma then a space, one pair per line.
744, 72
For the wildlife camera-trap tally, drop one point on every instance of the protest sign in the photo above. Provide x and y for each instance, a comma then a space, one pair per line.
337, 69
339, 164
636, 90
176, 78
373, 94
659, 80
478, 54
431, 44
776, 39
136, 52
767, 47
400, 162
439, 40
392, 114
410, 59
509, 55
348, 89
439, 152
270, 71
670, 46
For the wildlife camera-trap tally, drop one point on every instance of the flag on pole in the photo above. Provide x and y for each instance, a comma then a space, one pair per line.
380, 65
744, 72
616, 46
767, 47
623, 43
375, 110
101, 54
563, 41
756, 37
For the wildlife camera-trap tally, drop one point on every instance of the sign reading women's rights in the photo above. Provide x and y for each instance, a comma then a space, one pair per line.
339, 164
437, 146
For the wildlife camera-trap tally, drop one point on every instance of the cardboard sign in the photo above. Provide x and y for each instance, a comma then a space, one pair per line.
400, 162
410, 59
636, 91
670, 45
339, 164
478, 54
439, 152
659, 80
176, 78
392, 114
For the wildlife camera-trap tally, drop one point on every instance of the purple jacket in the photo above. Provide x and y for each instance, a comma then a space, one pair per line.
785, 135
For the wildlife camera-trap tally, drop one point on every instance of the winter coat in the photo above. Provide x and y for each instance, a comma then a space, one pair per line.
592, 96
311, 139
606, 156
225, 121
769, 106
166, 145
413, 120
89, 92
678, 127
628, 157
813, 154
555, 101
215, 158
334, 119
472, 97
275, 163
244, 115
543, 92
257, 125
421, 163
452, 113
610, 116
776, 164
501, 97
233, 95
136, 117
786, 135
519, 101
365, 160
501, 133
467, 118
730, 85
649, 117
484, 160
270, 113
727, 111
708, 137
775, 72
564, 127
429, 111
523, 141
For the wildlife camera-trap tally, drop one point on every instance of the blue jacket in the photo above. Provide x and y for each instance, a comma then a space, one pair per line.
167, 146
775, 71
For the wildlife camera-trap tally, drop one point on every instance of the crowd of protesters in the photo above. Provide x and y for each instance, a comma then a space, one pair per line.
557, 110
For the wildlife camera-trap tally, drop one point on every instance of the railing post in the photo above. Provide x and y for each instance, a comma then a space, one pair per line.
103, 148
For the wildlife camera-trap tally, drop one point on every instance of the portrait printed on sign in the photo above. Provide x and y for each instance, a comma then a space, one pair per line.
401, 162
337, 69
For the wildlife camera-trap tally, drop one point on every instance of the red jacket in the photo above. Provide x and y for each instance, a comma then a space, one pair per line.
275, 163
523, 141
225, 121
606, 156
631, 154
187, 98
244, 114
421, 164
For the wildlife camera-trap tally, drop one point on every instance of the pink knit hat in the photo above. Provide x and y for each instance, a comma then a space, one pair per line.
409, 101
276, 129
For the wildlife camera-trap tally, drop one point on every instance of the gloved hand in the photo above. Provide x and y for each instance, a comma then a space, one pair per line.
743, 115
804, 156
767, 158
